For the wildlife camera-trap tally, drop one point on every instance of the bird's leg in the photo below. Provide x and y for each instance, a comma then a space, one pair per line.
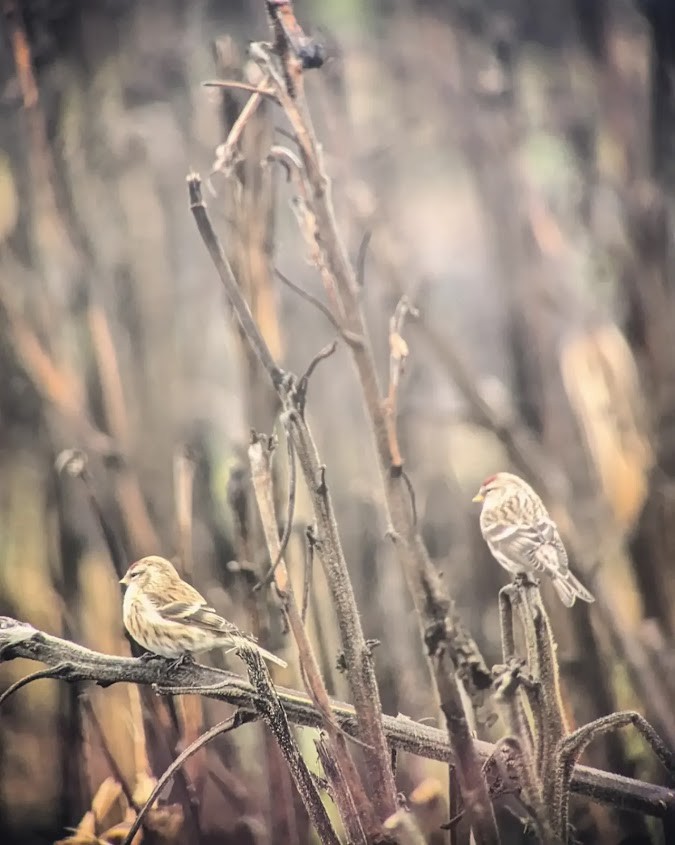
149, 656
524, 579
183, 660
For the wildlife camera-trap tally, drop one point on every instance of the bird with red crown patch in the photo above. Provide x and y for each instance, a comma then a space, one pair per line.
523, 537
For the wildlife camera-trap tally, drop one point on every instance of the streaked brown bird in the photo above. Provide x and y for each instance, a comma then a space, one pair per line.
522, 536
169, 617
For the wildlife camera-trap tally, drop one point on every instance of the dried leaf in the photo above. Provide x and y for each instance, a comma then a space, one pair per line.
119, 832
88, 824
109, 804
80, 839
143, 789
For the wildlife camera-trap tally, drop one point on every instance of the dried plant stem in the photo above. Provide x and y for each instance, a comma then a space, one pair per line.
183, 481
509, 696
76, 663
357, 653
430, 600
467, 762
360, 672
355, 808
271, 710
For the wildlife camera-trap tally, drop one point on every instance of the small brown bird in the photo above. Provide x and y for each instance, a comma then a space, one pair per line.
522, 536
168, 617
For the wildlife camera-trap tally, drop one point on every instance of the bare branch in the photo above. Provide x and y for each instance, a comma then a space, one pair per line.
20, 640
234, 294
572, 747
308, 297
226, 152
341, 793
241, 86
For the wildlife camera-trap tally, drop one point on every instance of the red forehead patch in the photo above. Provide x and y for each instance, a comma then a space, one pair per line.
489, 480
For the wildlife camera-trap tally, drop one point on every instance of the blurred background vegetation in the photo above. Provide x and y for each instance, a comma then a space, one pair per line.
514, 165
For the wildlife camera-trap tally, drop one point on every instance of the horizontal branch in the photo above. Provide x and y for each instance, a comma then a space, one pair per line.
72, 662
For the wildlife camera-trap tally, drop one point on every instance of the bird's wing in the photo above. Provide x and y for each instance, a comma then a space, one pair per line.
193, 613
538, 544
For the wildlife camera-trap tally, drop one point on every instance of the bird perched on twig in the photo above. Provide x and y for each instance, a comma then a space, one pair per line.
168, 617
522, 536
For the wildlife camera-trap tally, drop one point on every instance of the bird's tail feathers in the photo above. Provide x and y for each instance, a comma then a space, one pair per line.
580, 590
570, 588
565, 590
267, 655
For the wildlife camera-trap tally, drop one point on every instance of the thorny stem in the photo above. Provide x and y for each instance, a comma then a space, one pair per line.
271, 710
20, 640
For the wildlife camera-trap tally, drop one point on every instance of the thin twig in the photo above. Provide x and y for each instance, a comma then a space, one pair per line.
239, 718
225, 152
361, 258
308, 297
303, 381
341, 794
290, 511
234, 294
310, 542
53, 672
241, 86
571, 747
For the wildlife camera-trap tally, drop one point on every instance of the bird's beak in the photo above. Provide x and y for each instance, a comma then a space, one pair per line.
124, 581
479, 497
